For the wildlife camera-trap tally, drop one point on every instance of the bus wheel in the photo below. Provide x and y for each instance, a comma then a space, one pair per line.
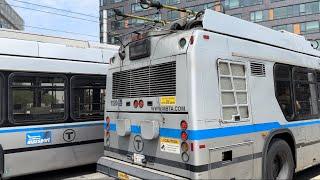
280, 163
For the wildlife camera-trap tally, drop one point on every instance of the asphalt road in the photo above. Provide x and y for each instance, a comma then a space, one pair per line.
77, 173
89, 173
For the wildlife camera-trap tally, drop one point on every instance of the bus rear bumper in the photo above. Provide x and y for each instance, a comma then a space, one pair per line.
115, 168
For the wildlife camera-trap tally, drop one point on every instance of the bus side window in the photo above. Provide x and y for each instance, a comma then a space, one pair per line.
87, 97
305, 90
283, 87
2, 119
37, 98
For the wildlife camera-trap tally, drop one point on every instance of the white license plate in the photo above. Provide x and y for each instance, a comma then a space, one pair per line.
138, 158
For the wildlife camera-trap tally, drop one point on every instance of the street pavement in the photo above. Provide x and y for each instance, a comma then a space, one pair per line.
77, 173
89, 173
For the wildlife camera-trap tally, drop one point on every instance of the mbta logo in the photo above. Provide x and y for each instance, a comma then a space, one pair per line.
69, 135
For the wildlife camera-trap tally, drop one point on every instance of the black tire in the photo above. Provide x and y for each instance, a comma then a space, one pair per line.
279, 161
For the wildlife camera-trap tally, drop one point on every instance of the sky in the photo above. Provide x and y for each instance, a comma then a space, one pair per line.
51, 21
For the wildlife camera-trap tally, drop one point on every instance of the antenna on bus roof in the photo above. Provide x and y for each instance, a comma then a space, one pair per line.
118, 13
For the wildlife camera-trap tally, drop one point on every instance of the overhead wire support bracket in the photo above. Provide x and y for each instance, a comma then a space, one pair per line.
119, 13
145, 4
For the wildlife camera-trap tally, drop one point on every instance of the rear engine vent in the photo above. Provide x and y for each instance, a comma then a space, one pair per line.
258, 69
152, 81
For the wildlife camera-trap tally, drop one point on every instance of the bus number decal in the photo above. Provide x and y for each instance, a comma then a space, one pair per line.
168, 101
170, 145
35, 138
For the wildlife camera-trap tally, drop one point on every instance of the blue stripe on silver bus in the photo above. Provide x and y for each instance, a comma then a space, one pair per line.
50, 127
221, 132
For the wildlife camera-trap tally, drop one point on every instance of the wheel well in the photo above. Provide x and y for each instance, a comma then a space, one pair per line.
289, 139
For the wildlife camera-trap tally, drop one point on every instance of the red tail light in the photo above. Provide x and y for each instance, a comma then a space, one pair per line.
192, 40
206, 37
184, 125
141, 103
135, 104
184, 136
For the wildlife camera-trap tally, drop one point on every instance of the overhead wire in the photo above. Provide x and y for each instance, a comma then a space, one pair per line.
58, 9
50, 29
53, 13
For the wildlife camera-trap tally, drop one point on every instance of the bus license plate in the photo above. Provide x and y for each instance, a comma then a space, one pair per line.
138, 158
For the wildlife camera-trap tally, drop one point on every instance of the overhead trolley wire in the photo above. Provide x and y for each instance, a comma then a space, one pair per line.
53, 13
58, 9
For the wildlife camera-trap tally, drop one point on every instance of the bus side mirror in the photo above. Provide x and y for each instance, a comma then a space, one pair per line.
1, 161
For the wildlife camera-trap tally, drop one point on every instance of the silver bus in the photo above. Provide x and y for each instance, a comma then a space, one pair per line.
51, 102
220, 98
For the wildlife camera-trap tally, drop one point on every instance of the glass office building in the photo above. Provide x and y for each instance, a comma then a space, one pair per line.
9, 18
297, 16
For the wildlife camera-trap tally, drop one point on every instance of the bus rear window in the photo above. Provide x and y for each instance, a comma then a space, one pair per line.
37, 97
87, 97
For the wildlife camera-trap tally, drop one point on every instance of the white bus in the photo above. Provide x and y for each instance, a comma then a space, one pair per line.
51, 102
221, 99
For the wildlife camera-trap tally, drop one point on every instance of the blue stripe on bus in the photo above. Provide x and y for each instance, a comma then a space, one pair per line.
27, 129
222, 132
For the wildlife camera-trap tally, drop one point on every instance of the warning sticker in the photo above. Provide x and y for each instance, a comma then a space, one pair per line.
170, 145
168, 101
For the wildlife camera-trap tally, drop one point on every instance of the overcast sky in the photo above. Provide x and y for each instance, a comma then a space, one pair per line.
50, 21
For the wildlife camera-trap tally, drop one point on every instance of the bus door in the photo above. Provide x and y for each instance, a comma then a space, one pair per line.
233, 155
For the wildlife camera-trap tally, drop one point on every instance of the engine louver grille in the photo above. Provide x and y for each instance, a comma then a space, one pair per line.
152, 81
258, 69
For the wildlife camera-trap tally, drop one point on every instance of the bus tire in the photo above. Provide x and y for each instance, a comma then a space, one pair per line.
280, 163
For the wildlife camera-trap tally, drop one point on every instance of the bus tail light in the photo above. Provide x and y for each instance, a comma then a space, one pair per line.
206, 37
184, 125
135, 104
184, 136
185, 157
184, 147
191, 40
141, 103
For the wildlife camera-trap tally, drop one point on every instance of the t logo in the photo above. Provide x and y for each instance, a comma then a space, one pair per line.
69, 135
138, 143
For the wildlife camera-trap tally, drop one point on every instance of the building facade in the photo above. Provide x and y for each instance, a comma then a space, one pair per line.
9, 18
297, 16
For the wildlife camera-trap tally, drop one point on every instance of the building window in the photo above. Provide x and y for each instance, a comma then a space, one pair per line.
297, 10
173, 15
300, 28
201, 7
88, 97
136, 7
172, 2
272, 1
237, 16
37, 97
233, 88
258, 16
310, 27
231, 4
111, 14
117, 25
286, 27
